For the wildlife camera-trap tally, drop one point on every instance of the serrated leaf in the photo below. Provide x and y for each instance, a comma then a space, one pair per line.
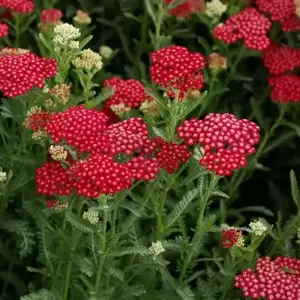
40, 295
181, 207
158, 132
295, 188
117, 273
293, 126
150, 10
260, 209
174, 4
186, 293
78, 223
132, 207
85, 265
220, 194
257, 111
140, 250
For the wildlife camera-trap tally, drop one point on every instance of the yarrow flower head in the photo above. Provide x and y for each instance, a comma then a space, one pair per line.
279, 58
19, 73
285, 88
156, 248
61, 92
176, 68
258, 228
106, 51
18, 6
283, 12
249, 25
49, 19
271, 279
64, 34
13, 51
88, 60
130, 93
3, 176
58, 153
82, 18
92, 216
186, 8
226, 141
215, 9
56, 205
36, 119
232, 237
4, 30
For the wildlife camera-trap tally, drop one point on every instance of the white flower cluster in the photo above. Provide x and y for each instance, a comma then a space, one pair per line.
156, 248
65, 35
58, 153
258, 228
3, 176
88, 60
92, 216
106, 51
215, 9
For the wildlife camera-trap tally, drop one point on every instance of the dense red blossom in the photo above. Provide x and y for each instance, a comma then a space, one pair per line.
187, 8
100, 174
51, 15
226, 140
3, 30
248, 25
230, 237
279, 58
129, 92
176, 68
112, 117
37, 120
21, 73
172, 155
76, 125
271, 279
18, 6
52, 179
281, 11
141, 168
285, 88
51, 203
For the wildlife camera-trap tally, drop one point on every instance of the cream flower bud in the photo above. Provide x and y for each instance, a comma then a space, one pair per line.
88, 60
258, 228
156, 248
58, 153
64, 34
82, 18
297, 3
215, 9
120, 109
106, 51
3, 176
92, 216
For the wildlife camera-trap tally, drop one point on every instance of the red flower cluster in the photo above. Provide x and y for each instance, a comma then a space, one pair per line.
37, 119
231, 237
18, 6
51, 15
187, 8
286, 88
226, 141
129, 92
279, 59
249, 25
20, 73
175, 68
272, 279
281, 11
3, 30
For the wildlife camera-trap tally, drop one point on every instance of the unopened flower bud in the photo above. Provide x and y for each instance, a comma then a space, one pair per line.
106, 51
62, 92
64, 34
297, 3
88, 60
216, 61
258, 228
92, 216
156, 248
58, 153
150, 108
3, 176
82, 18
120, 109
215, 9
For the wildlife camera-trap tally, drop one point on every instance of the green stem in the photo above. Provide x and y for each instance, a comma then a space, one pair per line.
196, 238
103, 249
158, 24
159, 220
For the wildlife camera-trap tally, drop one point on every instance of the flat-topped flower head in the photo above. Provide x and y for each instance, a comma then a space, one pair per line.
15, 51
186, 8
283, 12
271, 279
58, 153
18, 6
249, 25
215, 9
92, 216
64, 34
226, 140
88, 60
232, 238
53, 15
19, 73
176, 68
62, 92
258, 228
4, 30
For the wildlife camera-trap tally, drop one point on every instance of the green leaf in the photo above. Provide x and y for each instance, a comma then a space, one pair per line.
150, 10
174, 4
204, 45
132, 207
220, 194
40, 295
158, 132
259, 209
295, 189
46, 42
78, 223
280, 140
117, 273
293, 126
85, 265
257, 111
186, 293
181, 207
139, 250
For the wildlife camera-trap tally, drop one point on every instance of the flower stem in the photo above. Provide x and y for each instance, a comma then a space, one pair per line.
159, 219
196, 238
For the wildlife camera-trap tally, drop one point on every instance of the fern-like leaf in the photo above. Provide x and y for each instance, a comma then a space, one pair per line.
295, 189
117, 273
139, 250
78, 223
180, 207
